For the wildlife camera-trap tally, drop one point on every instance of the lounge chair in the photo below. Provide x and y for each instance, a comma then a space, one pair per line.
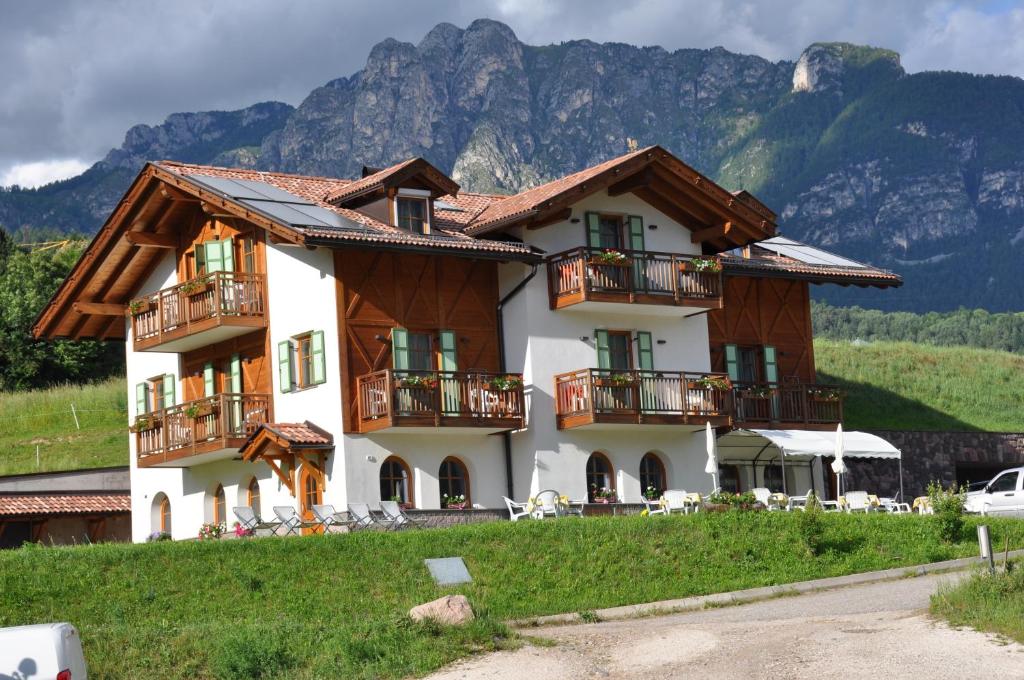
328, 517
396, 518
361, 517
515, 510
249, 520
291, 521
547, 503
766, 497
858, 501
800, 502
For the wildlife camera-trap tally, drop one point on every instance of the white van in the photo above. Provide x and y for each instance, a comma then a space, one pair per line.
1003, 495
48, 651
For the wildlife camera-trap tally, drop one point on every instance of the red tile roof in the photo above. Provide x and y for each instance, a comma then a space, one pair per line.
760, 263
380, 179
303, 434
63, 504
368, 183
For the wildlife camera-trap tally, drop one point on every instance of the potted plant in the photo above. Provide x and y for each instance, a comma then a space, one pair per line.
652, 494
504, 383
196, 286
617, 380
143, 422
422, 381
710, 265
456, 502
136, 307
610, 256
210, 531
757, 391
825, 394
711, 382
402, 504
602, 495
199, 409
242, 532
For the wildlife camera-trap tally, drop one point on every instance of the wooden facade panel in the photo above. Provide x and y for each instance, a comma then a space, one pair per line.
198, 228
760, 312
256, 366
378, 291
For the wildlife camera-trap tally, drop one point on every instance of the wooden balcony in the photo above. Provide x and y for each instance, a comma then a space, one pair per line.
598, 398
656, 282
199, 312
440, 401
788, 406
199, 431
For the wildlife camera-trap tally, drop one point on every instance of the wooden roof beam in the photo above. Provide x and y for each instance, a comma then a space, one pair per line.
558, 216
711, 233
634, 181
173, 194
151, 240
99, 308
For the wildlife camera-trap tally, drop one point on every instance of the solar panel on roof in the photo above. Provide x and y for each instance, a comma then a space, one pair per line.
445, 205
805, 253
250, 189
271, 192
285, 212
328, 218
228, 187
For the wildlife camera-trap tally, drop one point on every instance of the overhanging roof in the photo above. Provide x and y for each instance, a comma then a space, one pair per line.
785, 258
766, 446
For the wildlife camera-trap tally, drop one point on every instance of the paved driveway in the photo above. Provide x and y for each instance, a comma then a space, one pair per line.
872, 631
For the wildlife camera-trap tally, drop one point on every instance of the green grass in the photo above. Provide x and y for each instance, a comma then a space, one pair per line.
903, 386
177, 610
993, 604
43, 418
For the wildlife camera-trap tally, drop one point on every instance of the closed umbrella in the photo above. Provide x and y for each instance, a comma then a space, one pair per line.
839, 465
711, 443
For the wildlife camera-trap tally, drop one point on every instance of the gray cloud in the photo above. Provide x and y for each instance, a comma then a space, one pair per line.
77, 75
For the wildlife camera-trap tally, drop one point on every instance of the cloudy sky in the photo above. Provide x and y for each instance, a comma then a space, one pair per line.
74, 76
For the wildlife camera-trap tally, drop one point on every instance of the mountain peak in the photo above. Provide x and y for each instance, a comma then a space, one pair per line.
823, 66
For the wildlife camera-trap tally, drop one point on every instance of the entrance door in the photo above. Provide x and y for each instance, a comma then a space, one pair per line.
310, 493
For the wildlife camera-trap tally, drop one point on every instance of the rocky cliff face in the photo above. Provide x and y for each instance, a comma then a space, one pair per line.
923, 173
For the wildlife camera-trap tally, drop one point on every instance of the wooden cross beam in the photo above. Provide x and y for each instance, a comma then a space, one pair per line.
144, 239
711, 233
99, 308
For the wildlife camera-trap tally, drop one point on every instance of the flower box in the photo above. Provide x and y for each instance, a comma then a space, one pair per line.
456, 506
196, 287
144, 424
137, 307
199, 410
615, 382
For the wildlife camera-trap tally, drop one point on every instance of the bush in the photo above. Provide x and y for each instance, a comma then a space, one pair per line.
948, 505
735, 500
251, 653
811, 526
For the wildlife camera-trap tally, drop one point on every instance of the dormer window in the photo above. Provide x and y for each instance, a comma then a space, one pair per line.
412, 211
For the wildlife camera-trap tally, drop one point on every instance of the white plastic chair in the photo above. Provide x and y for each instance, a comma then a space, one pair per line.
546, 504
516, 510
764, 496
857, 501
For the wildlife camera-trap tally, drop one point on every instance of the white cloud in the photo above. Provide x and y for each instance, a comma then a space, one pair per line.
30, 175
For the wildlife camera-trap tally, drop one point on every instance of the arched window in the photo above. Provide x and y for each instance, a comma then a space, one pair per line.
253, 496
773, 477
729, 478
220, 506
395, 481
453, 479
599, 474
161, 516
652, 474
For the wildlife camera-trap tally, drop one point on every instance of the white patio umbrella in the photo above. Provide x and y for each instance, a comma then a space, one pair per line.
711, 443
839, 465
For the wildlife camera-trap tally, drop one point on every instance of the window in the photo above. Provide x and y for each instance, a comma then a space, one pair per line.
421, 357
249, 254
161, 514
599, 474
615, 232
773, 477
310, 491
155, 394
750, 364
412, 214
301, 361
417, 350
453, 479
253, 496
729, 478
1007, 482
220, 506
652, 473
614, 349
395, 481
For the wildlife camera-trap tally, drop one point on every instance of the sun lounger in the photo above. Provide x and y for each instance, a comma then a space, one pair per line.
328, 517
249, 520
395, 517
291, 521
361, 517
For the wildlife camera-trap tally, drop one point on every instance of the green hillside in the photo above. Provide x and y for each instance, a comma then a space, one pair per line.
903, 386
43, 420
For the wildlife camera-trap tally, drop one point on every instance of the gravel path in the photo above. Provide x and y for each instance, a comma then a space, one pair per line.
879, 630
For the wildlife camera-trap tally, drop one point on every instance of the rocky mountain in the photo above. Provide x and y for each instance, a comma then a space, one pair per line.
923, 173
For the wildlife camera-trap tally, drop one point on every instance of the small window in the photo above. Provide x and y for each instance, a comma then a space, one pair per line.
253, 496
249, 254
220, 506
773, 477
301, 361
652, 474
155, 394
453, 479
412, 214
304, 355
599, 474
161, 517
395, 481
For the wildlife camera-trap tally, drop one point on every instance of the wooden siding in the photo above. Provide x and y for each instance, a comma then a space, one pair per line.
203, 227
774, 312
377, 291
256, 367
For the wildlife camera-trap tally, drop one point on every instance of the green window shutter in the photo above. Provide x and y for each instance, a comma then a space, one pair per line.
316, 348
209, 388
604, 357
214, 257
236, 374
400, 349
141, 405
593, 229
771, 367
227, 250
169, 390
732, 362
449, 360
645, 352
636, 233
284, 365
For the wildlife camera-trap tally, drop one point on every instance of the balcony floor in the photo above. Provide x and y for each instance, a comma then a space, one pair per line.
200, 334
449, 425
188, 456
648, 305
615, 421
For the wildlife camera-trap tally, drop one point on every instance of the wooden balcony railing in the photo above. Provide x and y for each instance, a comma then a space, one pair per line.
789, 403
392, 398
201, 426
594, 395
581, 275
220, 298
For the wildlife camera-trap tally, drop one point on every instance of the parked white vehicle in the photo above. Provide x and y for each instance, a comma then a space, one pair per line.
50, 651
1003, 495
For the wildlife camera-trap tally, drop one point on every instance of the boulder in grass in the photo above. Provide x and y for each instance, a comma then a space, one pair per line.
451, 610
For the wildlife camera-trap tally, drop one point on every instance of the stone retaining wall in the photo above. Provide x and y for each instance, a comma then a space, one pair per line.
931, 456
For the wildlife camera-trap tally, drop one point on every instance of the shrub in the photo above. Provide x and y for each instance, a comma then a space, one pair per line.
735, 500
811, 525
250, 653
948, 505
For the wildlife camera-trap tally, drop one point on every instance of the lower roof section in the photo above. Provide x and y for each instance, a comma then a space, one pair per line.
765, 446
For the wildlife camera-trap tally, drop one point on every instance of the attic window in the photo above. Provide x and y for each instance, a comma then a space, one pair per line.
412, 214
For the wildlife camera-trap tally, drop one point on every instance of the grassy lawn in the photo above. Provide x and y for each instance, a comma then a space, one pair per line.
903, 386
333, 606
994, 604
43, 418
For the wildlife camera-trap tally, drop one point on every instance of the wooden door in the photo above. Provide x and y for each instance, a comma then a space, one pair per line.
310, 493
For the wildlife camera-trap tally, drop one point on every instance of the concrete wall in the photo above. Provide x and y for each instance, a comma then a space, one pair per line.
101, 479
